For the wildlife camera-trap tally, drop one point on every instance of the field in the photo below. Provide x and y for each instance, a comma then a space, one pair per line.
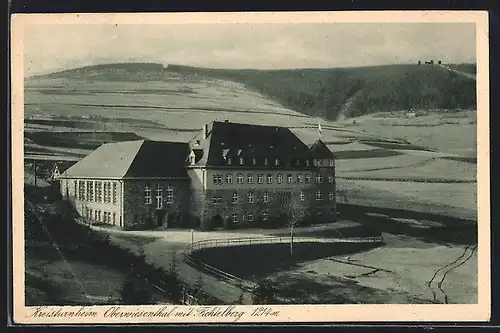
407, 158
51, 280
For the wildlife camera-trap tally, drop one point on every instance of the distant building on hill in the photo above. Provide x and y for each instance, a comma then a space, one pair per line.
228, 175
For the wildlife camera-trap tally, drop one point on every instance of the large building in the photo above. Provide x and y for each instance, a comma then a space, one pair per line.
229, 174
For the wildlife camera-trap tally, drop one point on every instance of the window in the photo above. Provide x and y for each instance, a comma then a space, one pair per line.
260, 178
106, 192
331, 163
229, 160
240, 178
269, 178
87, 191
114, 197
250, 197
319, 162
284, 198
307, 162
266, 197
265, 161
319, 179
159, 196
81, 190
280, 178
170, 194
254, 161
330, 196
318, 195
308, 178
90, 213
298, 162
242, 160
229, 178
91, 191
76, 188
217, 200
96, 216
250, 217
264, 216
235, 218
289, 178
250, 178
235, 197
330, 179
299, 178
147, 195
302, 196
277, 161
99, 216
217, 179
98, 191
109, 193
114, 218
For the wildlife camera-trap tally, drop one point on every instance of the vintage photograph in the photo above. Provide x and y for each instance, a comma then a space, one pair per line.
205, 166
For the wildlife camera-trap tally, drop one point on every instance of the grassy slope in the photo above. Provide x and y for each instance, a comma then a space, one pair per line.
323, 92
177, 106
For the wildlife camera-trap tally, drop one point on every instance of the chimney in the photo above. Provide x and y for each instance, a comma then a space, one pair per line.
205, 131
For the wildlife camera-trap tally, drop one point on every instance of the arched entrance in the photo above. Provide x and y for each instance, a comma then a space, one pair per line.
217, 221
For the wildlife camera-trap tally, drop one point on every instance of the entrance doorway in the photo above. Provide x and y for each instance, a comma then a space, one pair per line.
217, 221
160, 218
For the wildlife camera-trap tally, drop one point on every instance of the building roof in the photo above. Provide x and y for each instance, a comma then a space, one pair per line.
228, 140
320, 150
131, 159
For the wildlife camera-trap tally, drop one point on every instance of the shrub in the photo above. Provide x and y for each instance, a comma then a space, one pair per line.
135, 291
207, 225
264, 293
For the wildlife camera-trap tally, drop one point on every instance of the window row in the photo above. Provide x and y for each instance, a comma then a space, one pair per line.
218, 179
158, 195
284, 198
278, 162
100, 216
96, 191
235, 218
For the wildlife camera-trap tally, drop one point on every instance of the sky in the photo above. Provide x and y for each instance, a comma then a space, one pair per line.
49, 48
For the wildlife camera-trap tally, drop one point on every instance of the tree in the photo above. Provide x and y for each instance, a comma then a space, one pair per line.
135, 291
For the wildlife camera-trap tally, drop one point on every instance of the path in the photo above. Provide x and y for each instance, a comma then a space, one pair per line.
345, 108
467, 75
162, 246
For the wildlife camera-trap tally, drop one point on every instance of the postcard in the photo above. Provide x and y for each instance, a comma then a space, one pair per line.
250, 167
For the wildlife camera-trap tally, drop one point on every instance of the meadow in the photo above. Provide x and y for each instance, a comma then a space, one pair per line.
71, 114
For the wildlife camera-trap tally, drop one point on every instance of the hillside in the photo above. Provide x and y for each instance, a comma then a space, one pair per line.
382, 156
329, 93
350, 92
110, 72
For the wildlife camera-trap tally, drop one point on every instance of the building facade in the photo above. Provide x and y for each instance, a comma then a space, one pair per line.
228, 175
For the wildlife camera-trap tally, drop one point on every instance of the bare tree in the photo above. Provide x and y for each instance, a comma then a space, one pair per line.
346, 193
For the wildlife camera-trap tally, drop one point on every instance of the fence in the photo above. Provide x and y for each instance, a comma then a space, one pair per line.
247, 285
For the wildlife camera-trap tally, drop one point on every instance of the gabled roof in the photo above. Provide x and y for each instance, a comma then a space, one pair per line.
320, 150
142, 158
233, 140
